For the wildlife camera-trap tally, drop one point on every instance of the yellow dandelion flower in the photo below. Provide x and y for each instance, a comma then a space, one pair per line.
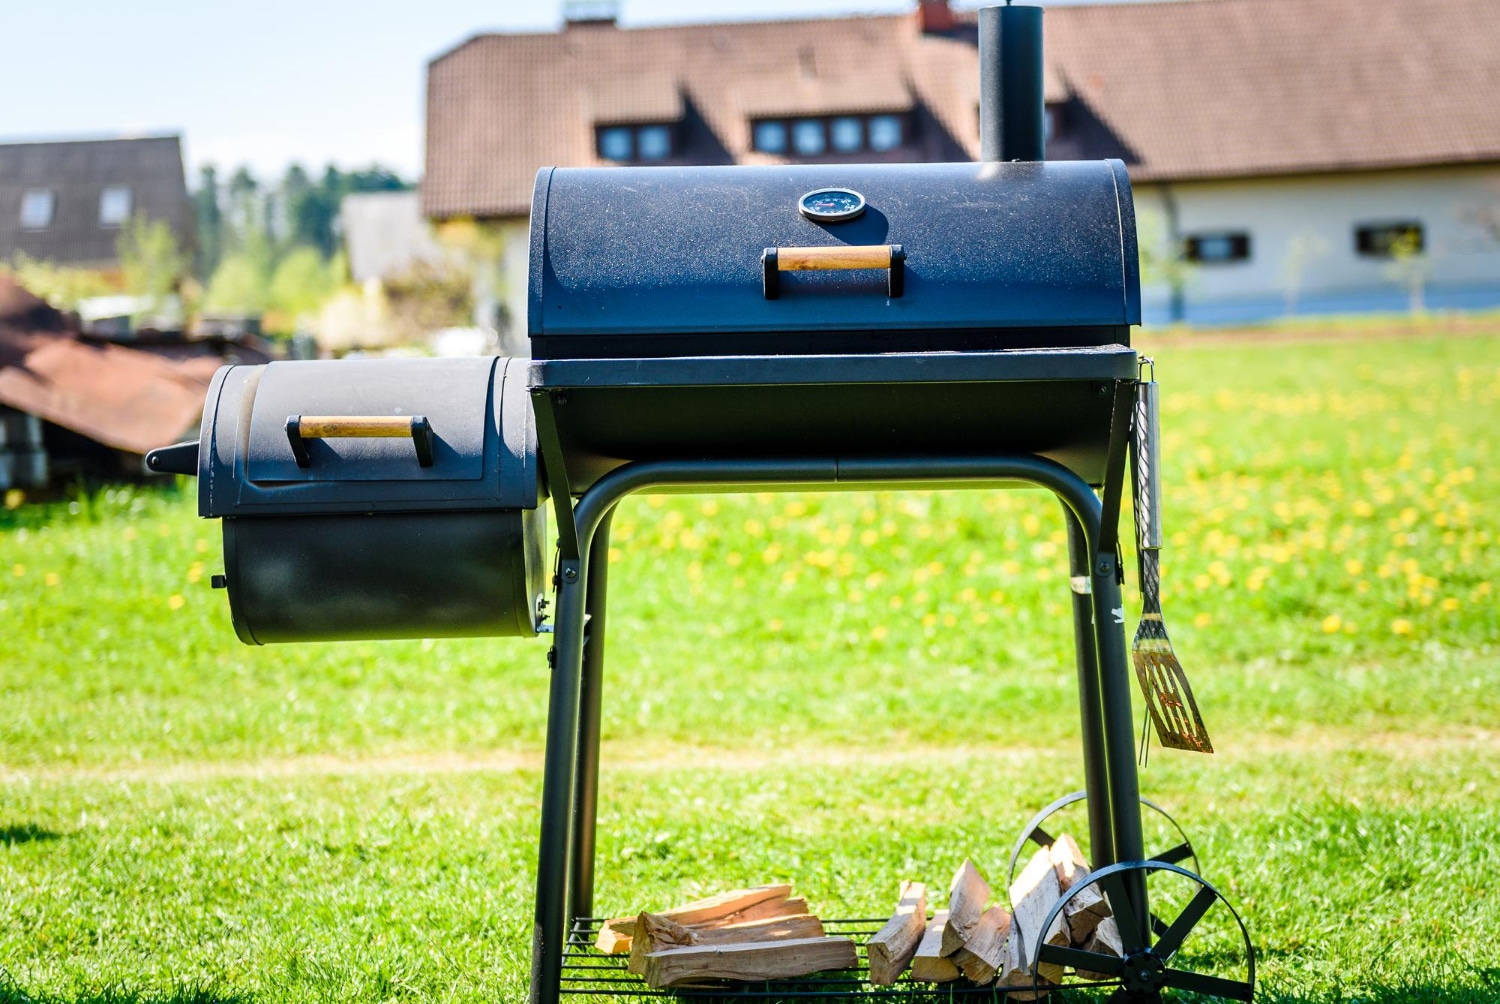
1202, 620
774, 624
929, 620
733, 559
175, 601
789, 577
771, 554
897, 602
879, 632
1401, 626
1354, 566
15, 498
52, 579
868, 538
18, 570
1332, 623
1450, 603
201, 547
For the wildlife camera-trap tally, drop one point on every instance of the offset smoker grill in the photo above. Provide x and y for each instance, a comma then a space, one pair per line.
829, 327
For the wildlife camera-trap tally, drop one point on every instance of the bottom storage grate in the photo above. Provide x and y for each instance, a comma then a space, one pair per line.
589, 972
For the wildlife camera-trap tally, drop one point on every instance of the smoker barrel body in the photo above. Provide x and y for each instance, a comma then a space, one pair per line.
655, 333
386, 498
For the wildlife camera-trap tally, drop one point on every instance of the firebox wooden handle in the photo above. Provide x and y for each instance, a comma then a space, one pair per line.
300, 428
774, 261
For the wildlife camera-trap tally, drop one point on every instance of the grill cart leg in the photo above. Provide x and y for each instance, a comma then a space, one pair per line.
1115, 689
1095, 764
549, 930
586, 774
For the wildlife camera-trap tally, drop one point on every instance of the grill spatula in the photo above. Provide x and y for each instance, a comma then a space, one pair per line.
1164, 684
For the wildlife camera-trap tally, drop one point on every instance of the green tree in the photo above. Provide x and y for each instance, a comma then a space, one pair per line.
208, 216
1410, 267
241, 283
301, 283
152, 262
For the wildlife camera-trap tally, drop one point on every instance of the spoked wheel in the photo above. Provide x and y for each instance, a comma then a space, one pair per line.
1204, 950
1175, 846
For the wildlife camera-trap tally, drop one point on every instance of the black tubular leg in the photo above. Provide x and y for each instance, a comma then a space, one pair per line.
1115, 688
1095, 762
590, 703
550, 927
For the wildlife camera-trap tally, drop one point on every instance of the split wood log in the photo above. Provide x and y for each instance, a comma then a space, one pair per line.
1086, 909
930, 965
614, 936
967, 897
769, 960
725, 905
654, 933
764, 910
984, 953
1106, 941
1015, 972
1032, 896
891, 950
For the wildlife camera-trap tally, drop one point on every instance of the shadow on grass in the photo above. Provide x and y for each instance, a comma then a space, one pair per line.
25, 833
10, 993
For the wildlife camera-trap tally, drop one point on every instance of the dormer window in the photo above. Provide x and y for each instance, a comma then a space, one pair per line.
114, 205
636, 144
37, 206
815, 136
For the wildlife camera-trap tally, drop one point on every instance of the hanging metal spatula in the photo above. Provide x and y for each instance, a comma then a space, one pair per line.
1164, 684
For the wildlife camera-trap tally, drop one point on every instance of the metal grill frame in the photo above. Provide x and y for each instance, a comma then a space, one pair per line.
565, 866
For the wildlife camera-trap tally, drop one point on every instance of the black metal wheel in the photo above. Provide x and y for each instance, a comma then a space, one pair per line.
1179, 848
1154, 961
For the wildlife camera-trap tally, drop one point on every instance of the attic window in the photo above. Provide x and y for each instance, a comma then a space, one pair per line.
37, 205
814, 136
1219, 248
627, 144
1389, 240
114, 205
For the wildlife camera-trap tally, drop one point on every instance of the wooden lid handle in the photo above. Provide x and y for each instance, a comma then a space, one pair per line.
300, 428
774, 261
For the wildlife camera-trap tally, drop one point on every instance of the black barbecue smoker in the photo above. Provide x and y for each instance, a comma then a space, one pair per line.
952, 326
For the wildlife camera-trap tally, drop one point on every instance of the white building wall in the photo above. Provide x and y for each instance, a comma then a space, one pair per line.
1463, 259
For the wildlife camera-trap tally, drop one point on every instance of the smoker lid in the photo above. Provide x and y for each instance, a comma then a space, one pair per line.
483, 443
674, 250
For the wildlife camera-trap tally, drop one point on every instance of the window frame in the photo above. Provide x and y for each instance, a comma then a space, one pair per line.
1374, 240
104, 194
1241, 247
789, 123
674, 141
26, 196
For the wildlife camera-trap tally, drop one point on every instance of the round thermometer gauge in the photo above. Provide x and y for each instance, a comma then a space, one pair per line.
830, 205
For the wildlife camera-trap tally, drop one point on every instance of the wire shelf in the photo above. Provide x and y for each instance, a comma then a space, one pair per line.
589, 972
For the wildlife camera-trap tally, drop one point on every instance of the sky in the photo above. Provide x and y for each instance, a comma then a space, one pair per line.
277, 81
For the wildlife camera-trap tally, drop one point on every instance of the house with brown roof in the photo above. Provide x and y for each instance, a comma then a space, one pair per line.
1332, 155
66, 201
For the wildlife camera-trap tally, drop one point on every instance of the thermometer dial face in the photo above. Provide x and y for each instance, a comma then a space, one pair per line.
830, 205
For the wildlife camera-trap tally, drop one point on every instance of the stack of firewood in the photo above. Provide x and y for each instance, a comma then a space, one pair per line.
764, 933
755, 934
990, 944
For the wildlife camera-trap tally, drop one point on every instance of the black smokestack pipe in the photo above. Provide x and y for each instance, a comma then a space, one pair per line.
1011, 109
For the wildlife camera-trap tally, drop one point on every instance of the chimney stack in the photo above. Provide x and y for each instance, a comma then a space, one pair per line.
1012, 106
935, 17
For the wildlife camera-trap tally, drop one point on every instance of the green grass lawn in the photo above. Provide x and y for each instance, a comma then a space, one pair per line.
836, 690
